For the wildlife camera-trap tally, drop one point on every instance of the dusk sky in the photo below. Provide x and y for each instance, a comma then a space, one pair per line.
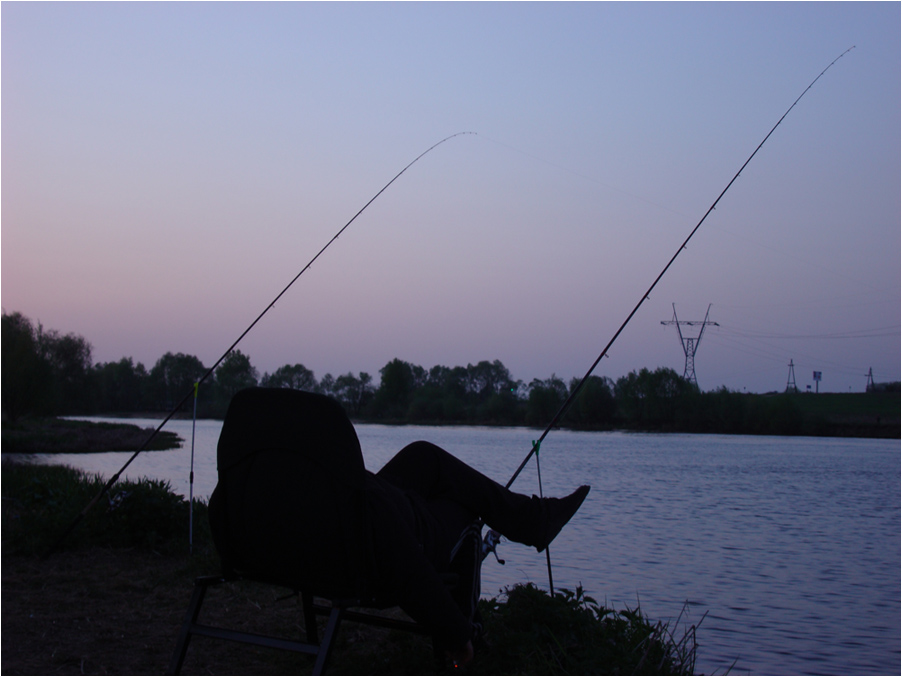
167, 168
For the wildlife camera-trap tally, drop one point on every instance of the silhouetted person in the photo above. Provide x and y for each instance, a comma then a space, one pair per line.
295, 503
421, 502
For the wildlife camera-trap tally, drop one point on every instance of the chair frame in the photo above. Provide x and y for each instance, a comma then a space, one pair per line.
242, 428
337, 611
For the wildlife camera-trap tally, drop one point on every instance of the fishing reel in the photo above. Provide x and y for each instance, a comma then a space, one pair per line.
117, 500
490, 545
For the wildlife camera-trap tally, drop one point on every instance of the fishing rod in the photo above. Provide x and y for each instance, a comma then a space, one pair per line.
192, 393
534, 451
569, 401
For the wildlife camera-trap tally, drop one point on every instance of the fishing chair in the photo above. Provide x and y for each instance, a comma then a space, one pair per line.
290, 510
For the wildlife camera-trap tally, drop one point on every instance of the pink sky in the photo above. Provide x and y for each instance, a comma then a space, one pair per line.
168, 168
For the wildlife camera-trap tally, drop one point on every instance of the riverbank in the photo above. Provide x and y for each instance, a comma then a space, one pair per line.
865, 415
58, 435
112, 600
99, 611
103, 611
870, 415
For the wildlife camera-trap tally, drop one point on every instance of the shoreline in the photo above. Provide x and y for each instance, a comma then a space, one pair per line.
61, 435
113, 599
848, 426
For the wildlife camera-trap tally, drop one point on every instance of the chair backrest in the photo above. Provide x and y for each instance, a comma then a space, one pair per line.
289, 505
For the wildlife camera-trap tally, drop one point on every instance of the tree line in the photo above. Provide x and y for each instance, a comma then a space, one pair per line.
46, 373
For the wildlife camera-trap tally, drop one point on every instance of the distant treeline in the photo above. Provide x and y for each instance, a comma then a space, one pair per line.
46, 373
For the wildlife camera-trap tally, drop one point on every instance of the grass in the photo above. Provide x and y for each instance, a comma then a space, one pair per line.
532, 632
112, 600
41, 501
842, 405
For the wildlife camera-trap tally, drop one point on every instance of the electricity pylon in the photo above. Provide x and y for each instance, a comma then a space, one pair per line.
690, 344
791, 379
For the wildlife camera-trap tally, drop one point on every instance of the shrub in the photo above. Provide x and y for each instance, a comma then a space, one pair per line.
532, 632
41, 502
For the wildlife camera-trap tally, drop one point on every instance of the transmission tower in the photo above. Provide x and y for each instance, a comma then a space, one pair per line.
791, 379
690, 344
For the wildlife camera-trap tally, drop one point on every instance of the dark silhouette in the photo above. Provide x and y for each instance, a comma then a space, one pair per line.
294, 505
49, 374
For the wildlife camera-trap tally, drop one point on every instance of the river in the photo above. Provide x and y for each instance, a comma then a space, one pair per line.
790, 545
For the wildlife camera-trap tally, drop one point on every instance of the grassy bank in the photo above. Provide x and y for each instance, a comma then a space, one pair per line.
851, 414
57, 435
112, 600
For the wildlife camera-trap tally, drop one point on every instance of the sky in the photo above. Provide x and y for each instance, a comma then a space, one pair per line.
167, 168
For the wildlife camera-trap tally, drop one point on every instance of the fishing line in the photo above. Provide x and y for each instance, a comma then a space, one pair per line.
569, 401
209, 371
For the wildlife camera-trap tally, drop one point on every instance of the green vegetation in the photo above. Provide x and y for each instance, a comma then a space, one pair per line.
45, 373
532, 632
41, 501
832, 405
133, 546
54, 435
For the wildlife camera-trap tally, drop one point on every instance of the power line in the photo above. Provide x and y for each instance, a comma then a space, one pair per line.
877, 332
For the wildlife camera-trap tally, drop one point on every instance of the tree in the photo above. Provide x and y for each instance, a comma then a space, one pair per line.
488, 378
122, 385
327, 385
491, 392
443, 396
69, 358
649, 400
173, 377
296, 376
234, 374
353, 392
595, 404
545, 400
395, 393
449, 381
26, 375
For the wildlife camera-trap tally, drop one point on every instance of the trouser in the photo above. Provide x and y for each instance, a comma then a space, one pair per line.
449, 495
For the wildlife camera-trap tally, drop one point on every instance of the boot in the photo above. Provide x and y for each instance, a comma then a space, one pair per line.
556, 512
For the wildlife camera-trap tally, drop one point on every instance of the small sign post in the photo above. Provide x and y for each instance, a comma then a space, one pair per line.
817, 380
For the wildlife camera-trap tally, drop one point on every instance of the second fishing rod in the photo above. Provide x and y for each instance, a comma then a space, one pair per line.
575, 391
534, 450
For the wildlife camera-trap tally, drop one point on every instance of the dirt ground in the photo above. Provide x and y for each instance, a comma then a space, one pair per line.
104, 611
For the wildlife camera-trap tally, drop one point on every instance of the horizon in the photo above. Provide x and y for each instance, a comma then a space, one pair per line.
376, 375
167, 169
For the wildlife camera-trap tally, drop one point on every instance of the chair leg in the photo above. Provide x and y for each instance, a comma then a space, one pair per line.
325, 648
197, 599
322, 650
310, 618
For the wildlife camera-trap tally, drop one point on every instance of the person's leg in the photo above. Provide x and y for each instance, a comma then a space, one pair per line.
435, 475
430, 471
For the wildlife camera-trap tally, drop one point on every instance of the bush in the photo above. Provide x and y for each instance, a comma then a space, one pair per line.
532, 632
529, 632
41, 502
